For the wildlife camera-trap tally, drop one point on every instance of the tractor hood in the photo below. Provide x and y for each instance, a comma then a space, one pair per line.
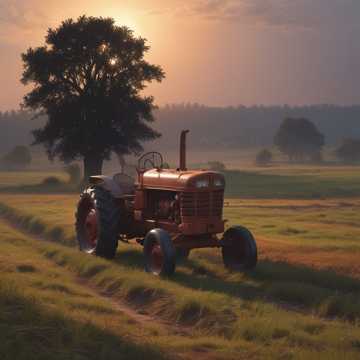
174, 180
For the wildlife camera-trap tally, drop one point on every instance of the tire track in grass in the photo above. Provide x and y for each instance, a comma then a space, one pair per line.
140, 317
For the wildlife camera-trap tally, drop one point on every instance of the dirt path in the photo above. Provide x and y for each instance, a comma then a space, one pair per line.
138, 316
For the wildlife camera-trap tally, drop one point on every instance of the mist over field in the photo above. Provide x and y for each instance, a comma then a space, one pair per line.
215, 128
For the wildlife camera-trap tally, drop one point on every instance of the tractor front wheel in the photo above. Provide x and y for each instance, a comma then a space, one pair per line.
97, 219
159, 252
239, 249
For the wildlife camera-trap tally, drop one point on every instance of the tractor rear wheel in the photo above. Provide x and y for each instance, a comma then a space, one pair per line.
97, 219
159, 252
239, 250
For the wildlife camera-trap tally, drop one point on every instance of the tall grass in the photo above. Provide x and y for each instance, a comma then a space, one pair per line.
34, 225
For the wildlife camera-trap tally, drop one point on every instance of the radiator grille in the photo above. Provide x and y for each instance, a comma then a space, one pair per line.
202, 204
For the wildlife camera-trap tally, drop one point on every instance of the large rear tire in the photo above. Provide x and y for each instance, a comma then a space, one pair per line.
239, 250
97, 220
159, 252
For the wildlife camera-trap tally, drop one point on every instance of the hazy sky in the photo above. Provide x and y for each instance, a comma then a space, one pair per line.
216, 52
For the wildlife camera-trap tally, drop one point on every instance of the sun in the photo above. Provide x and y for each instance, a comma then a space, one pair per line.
128, 21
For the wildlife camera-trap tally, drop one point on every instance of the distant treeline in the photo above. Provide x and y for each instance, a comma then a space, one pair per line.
212, 127
234, 127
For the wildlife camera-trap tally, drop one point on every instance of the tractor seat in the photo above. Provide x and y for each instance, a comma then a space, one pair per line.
125, 182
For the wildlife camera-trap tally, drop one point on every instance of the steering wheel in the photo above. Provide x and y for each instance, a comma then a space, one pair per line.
150, 160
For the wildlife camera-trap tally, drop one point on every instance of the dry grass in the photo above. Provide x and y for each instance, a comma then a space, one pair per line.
26, 178
323, 234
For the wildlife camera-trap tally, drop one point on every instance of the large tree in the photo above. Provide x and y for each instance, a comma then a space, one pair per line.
299, 139
88, 79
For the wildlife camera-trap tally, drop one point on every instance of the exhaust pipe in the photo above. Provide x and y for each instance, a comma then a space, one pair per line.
183, 150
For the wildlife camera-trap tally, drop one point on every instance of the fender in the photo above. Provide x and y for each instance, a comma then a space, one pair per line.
108, 183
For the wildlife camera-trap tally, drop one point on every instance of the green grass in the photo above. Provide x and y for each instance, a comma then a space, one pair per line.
55, 212
46, 314
34, 182
30, 331
288, 307
286, 181
297, 182
315, 223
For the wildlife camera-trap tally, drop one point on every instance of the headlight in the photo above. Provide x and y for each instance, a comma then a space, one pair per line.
203, 183
218, 182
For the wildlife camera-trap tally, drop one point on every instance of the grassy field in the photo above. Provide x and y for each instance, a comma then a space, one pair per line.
27, 178
285, 182
302, 301
47, 314
310, 182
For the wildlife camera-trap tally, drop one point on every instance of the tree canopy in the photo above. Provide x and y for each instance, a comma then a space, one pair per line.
88, 79
299, 139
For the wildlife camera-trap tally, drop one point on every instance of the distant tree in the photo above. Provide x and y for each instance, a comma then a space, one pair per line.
216, 166
349, 150
264, 157
18, 158
89, 79
299, 139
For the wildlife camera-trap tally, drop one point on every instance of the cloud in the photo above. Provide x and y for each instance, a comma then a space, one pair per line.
276, 13
20, 20
20, 13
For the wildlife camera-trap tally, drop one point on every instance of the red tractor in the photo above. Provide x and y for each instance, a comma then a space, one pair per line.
168, 211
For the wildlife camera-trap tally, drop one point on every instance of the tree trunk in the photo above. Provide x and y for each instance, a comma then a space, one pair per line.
92, 166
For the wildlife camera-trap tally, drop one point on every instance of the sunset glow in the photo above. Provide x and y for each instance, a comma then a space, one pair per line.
129, 21
213, 52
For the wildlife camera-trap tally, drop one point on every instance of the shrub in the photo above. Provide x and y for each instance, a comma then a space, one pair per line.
264, 157
51, 181
349, 150
74, 172
216, 166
